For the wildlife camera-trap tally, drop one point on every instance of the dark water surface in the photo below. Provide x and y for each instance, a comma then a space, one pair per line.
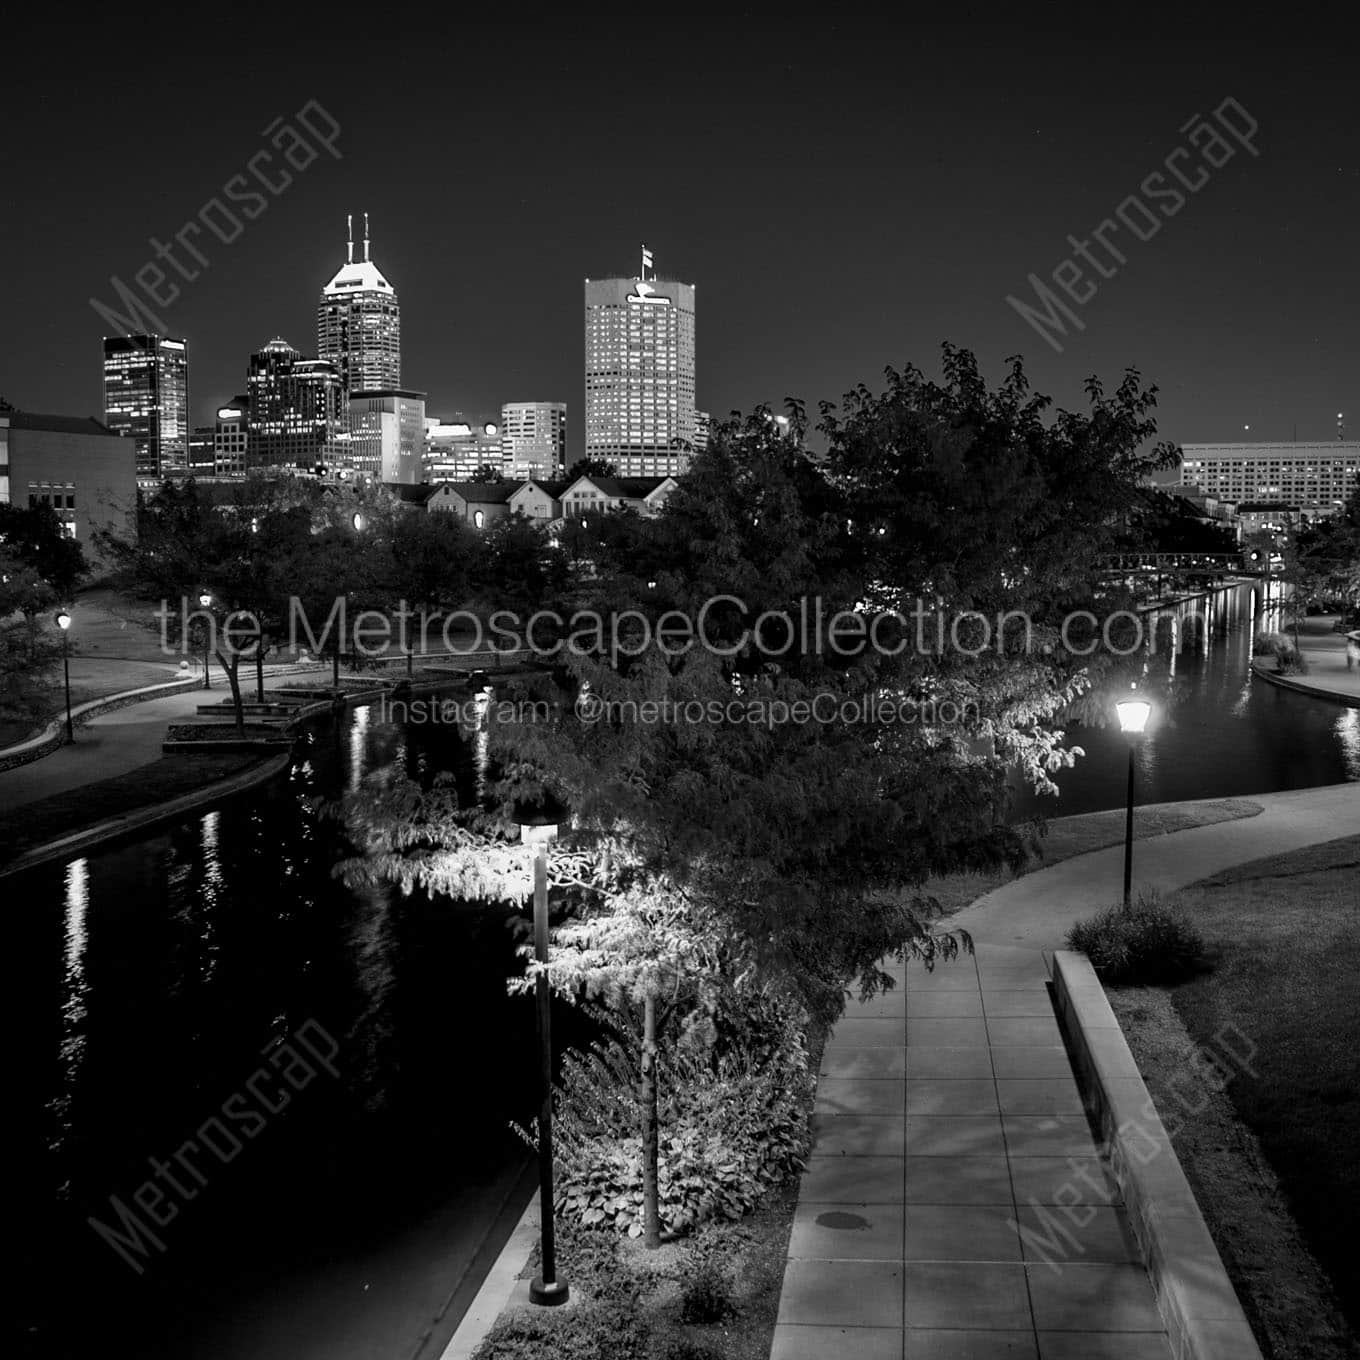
1224, 734
151, 980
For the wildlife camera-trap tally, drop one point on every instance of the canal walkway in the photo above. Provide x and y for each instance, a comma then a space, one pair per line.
950, 1135
950, 1138
1037, 910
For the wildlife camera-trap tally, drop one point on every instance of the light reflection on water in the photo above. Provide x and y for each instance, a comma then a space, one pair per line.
1225, 732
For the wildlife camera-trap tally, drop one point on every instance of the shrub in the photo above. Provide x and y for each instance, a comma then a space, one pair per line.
706, 1294
1291, 662
733, 1124
1144, 942
1265, 644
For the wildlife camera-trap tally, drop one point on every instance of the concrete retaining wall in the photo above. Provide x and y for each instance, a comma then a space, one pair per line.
54, 734
1204, 1318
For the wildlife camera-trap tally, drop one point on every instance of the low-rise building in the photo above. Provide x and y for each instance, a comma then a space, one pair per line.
643, 495
539, 501
481, 504
85, 471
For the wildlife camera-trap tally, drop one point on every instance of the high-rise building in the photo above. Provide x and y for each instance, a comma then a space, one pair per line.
387, 436
296, 413
358, 324
231, 437
639, 392
534, 438
457, 451
703, 429
1316, 476
146, 396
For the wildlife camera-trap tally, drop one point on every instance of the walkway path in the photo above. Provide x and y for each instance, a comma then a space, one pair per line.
1325, 652
955, 1205
1037, 910
931, 1222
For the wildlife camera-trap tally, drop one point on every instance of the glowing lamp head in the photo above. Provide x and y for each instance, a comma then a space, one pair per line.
1133, 715
358, 521
205, 599
539, 821
63, 620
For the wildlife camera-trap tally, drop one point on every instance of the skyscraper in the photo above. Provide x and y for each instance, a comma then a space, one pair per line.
297, 415
146, 396
639, 392
534, 438
358, 324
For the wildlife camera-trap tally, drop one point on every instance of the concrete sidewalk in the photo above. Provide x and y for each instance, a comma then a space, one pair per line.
1037, 910
956, 1206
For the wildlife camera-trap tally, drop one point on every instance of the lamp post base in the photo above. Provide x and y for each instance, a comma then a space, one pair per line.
549, 1295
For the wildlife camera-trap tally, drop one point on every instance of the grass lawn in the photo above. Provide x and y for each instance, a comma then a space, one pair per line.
146, 786
1065, 837
1284, 934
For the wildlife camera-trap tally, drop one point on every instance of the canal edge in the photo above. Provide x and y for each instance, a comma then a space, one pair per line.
1313, 691
112, 828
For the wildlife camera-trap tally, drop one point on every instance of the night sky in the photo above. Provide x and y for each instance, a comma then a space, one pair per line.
844, 196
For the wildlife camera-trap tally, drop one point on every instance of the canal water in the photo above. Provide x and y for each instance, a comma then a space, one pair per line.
152, 978
1221, 732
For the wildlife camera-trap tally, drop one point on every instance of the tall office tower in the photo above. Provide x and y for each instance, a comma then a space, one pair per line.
358, 324
639, 407
231, 437
534, 438
296, 412
146, 396
387, 436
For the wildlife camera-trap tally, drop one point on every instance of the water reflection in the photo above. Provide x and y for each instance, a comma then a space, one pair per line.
74, 1003
1224, 732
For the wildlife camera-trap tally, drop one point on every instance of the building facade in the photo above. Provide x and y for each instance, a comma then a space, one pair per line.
146, 397
231, 437
457, 451
387, 436
481, 504
539, 500
588, 496
1312, 476
358, 324
534, 438
639, 374
85, 471
296, 418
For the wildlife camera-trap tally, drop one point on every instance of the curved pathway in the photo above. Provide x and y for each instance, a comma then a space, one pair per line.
1036, 911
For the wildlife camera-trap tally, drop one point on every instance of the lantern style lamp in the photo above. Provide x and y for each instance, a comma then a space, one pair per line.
538, 828
64, 623
1133, 719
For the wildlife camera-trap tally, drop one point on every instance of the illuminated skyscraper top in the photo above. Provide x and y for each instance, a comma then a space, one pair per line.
358, 323
639, 391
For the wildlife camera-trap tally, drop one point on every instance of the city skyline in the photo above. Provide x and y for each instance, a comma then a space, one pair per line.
1239, 307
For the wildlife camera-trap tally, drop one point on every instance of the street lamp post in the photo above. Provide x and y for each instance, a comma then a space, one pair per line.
537, 830
1133, 716
64, 623
205, 600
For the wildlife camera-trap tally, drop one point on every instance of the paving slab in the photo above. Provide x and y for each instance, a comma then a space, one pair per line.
956, 1204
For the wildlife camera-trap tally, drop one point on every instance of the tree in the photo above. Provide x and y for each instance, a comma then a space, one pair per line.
489, 472
783, 849
592, 467
34, 537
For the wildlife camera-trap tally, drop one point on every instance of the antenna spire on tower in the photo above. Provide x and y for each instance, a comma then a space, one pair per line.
365, 238
349, 238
